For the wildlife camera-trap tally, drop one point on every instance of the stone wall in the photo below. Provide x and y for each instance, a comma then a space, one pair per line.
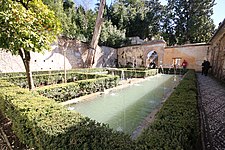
136, 56
217, 52
194, 54
105, 57
75, 56
131, 56
9, 63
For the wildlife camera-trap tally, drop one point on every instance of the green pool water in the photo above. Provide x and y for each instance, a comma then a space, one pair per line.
126, 108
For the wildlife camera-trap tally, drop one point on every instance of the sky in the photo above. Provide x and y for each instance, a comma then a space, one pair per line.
218, 9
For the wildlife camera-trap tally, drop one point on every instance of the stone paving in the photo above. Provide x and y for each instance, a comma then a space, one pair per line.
212, 111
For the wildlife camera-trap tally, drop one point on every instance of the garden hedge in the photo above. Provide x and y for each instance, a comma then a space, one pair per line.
134, 73
84, 70
176, 125
53, 78
68, 91
41, 123
44, 124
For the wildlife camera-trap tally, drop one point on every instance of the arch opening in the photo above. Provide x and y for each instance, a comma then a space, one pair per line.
152, 59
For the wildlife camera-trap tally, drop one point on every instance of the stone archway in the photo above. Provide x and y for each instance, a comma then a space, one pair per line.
152, 59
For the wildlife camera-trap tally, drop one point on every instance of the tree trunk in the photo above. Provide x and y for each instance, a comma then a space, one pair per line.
63, 44
94, 42
25, 55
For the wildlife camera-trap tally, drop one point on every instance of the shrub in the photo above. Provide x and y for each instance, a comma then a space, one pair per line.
68, 91
49, 79
134, 73
43, 124
177, 123
84, 70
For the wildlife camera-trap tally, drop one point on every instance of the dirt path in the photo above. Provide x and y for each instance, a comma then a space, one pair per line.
8, 140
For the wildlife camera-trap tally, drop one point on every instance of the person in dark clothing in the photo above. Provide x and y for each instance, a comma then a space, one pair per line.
206, 67
152, 65
203, 67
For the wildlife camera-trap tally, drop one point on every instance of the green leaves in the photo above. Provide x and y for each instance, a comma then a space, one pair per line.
137, 18
111, 36
176, 125
31, 29
188, 21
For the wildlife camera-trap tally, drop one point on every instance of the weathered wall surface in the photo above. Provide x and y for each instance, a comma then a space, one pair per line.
217, 52
48, 60
9, 63
105, 57
136, 56
131, 56
194, 54
75, 56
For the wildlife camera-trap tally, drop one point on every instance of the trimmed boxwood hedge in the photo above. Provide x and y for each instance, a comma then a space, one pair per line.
134, 73
174, 71
49, 79
84, 70
68, 91
177, 123
41, 123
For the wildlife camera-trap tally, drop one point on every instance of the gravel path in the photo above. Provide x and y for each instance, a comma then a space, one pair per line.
212, 110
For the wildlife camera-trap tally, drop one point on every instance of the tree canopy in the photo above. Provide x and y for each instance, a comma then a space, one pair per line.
31, 28
178, 22
188, 21
27, 26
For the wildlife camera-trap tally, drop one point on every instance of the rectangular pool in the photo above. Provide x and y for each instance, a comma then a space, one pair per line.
126, 108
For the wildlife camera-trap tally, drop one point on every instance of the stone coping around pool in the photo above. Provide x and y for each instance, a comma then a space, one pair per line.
122, 84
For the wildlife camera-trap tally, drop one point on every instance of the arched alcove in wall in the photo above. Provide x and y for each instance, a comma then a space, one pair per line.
152, 59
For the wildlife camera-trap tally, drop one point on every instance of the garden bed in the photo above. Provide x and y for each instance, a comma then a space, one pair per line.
176, 125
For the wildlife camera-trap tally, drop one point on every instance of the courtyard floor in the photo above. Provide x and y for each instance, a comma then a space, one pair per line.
212, 111
211, 107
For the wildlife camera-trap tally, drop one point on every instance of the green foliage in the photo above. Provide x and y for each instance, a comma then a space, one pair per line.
111, 36
68, 91
174, 71
188, 21
177, 123
179, 22
41, 123
30, 28
134, 73
85, 21
53, 78
77, 23
82, 70
50, 126
138, 18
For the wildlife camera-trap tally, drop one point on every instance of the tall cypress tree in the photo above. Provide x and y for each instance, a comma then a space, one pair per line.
190, 20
